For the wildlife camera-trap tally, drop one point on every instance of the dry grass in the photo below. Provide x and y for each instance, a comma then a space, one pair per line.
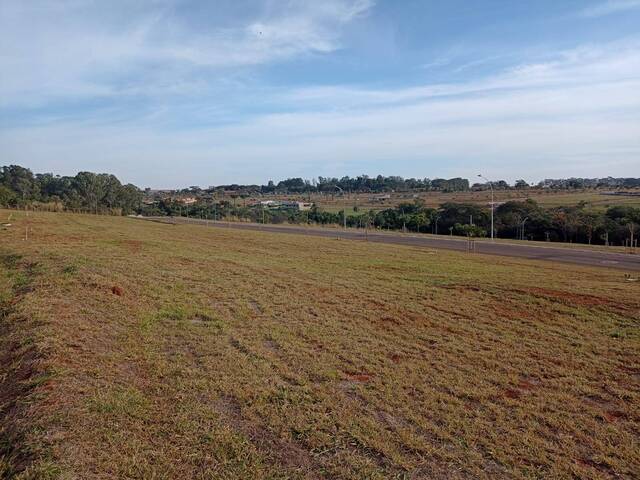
545, 197
227, 354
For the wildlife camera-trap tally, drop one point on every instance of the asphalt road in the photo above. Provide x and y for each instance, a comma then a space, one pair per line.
574, 255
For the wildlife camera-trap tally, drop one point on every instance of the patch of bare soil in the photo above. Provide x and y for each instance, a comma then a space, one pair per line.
574, 299
284, 452
116, 290
255, 306
360, 377
21, 374
134, 246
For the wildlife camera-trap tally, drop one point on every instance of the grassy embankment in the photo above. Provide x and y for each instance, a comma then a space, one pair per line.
143, 350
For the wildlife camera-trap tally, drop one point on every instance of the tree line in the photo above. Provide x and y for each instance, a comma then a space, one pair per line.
381, 183
86, 191
526, 220
104, 193
361, 184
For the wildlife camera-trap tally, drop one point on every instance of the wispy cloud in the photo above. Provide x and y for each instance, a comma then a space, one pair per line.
583, 66
136, 87
108, 48
609, 7
437, 63
579, 111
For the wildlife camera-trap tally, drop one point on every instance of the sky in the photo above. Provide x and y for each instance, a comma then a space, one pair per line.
174, 93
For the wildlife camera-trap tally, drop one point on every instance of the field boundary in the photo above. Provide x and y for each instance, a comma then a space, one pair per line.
21, 366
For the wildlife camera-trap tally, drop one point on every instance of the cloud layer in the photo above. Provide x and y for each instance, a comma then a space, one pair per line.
609, 7
164, 98
82, 49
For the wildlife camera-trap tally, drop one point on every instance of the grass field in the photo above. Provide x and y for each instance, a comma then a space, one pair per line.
133, 349
546, 198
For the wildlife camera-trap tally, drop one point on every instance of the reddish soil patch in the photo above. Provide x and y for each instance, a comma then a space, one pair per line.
569, 298
359, 377
614, 415
524, 385
134, 246
601, 467
512, 393
528, 383
395, 358
116, 290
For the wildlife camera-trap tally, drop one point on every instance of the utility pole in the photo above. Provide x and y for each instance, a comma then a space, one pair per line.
344, 208
523, 222
492, 203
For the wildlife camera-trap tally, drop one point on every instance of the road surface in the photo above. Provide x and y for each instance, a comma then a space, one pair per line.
575, 255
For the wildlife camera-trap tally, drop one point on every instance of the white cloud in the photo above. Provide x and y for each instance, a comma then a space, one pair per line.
576, 115
587, 65
80, 49
609, 7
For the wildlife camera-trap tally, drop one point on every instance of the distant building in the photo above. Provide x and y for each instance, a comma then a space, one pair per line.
303, 206
277, 204
380, 198
186, 200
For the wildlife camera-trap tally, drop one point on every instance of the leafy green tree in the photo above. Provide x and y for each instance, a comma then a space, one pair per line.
469, 230
21, 181
590, 221
7, 196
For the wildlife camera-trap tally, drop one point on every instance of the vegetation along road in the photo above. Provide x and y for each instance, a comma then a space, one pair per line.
578, 255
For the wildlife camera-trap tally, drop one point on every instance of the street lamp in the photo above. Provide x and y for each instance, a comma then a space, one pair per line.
523, 222
490, 185
344, 208
436, 221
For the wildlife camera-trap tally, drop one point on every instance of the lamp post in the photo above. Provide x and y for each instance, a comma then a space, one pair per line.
344, 207
490, 185
436, 222
523, 222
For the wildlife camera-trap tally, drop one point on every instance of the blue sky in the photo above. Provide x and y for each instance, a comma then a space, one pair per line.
168, 93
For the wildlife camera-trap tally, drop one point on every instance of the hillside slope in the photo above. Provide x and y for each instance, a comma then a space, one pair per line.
134, 349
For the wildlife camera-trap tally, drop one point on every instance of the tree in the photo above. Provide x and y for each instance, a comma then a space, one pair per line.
590, 221
470, 230
566, 220
21, 181
7, 196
